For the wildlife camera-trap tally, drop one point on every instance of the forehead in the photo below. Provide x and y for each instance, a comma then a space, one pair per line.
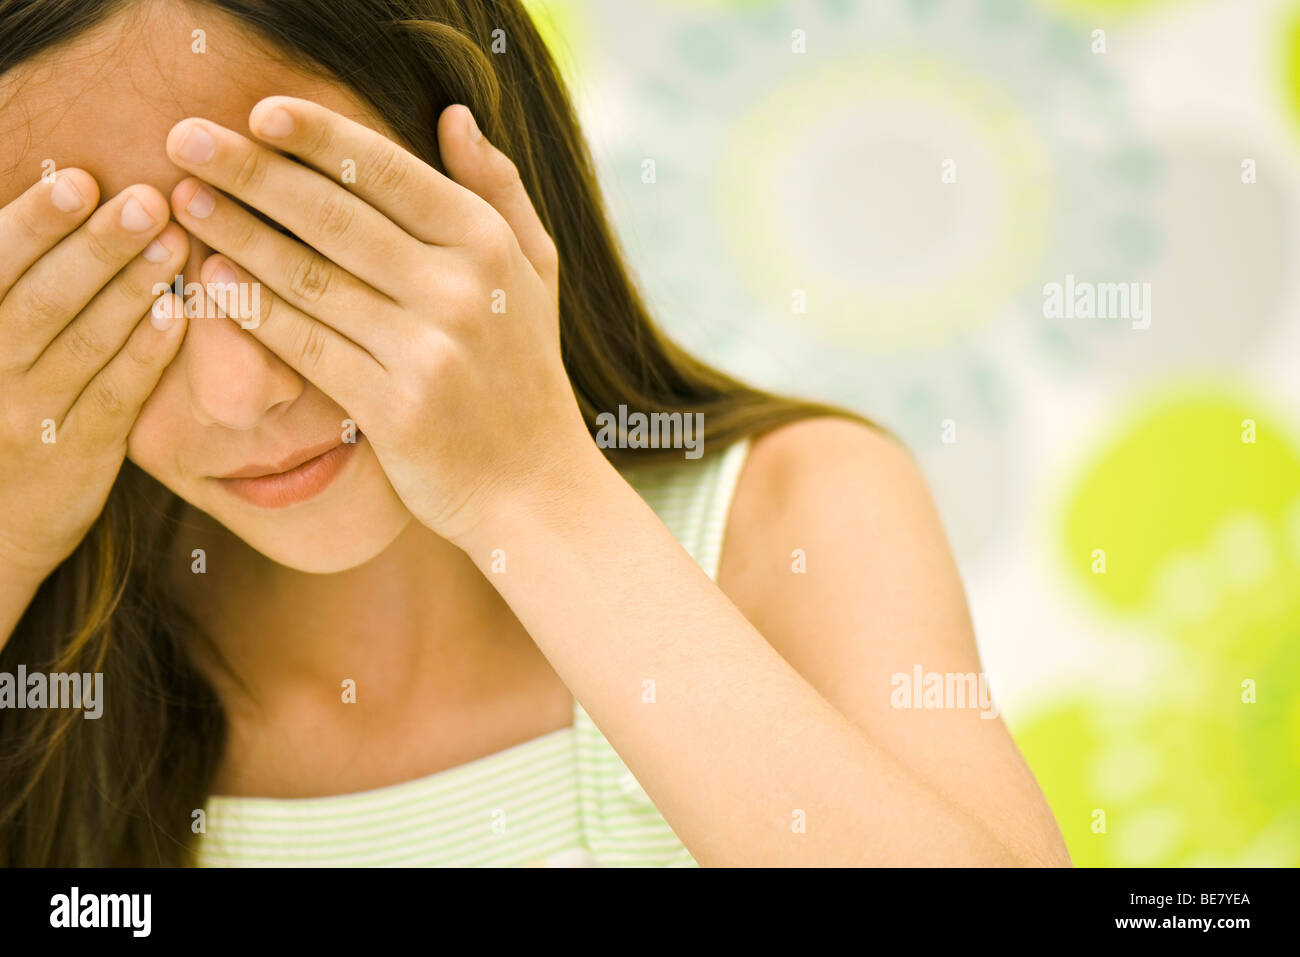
105, 101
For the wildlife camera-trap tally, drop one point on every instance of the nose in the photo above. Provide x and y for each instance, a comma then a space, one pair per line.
234, 381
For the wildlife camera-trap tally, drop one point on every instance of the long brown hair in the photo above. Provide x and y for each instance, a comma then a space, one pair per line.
123, 790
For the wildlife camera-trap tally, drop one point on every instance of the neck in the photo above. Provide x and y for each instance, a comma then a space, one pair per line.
418, 619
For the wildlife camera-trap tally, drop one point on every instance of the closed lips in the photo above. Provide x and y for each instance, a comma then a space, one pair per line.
287, 464
301, 477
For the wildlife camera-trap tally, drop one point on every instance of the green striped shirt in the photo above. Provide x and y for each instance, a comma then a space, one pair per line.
565, 799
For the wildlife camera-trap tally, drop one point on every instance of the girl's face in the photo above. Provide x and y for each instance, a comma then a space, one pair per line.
105, 103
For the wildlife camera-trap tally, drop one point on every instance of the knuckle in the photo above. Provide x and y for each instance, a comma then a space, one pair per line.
138, 351
386, 170
462, 297
309, 345
269, 306
310, 278
427, 349
101, 249
501, 248
250, 173
107, 398
334, 218
43, 304
81, 347
131, 289
492, 236
321, 140
32, 233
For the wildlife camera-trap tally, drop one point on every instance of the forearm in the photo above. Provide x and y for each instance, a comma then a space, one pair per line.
735, 746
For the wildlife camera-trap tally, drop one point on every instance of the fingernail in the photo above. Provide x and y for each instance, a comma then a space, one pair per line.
474, 132
197, 146
65, 196
202, 203
156, 252
278, 123
135, 218
223, 275
161, 314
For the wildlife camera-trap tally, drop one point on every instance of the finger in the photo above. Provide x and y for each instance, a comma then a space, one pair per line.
60, 284
301, 276
106, 410
90, 340
410, 192
33, 223
333, 363
342, 227
479, 166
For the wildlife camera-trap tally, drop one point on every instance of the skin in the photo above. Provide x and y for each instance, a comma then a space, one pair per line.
473, 443
227, 400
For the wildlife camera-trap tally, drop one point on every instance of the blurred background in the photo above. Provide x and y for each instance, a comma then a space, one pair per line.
863, 200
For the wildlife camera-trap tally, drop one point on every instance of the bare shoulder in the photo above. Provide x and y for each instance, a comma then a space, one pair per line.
824, 453
826, 490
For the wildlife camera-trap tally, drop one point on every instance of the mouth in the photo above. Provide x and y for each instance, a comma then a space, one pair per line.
298, 478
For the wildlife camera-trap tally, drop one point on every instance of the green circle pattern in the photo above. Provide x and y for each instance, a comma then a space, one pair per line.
1185, 772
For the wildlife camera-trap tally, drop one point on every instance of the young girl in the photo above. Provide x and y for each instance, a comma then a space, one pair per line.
342, 521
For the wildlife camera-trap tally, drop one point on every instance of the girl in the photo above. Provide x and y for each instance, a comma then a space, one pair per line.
331, 519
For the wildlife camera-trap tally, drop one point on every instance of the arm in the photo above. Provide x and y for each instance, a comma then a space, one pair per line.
740, 739
881, 596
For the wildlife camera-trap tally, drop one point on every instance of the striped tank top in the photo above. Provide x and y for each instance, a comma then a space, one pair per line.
565, 799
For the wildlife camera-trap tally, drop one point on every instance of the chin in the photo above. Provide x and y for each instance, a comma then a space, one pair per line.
351, 522
324, 545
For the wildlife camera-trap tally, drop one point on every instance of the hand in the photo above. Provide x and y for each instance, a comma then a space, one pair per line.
426, 308
77, 361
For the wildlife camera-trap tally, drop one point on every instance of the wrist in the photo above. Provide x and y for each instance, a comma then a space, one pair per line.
554, 497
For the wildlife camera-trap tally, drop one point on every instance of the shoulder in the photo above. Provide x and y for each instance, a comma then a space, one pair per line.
821, 455
835, 551
826, 491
